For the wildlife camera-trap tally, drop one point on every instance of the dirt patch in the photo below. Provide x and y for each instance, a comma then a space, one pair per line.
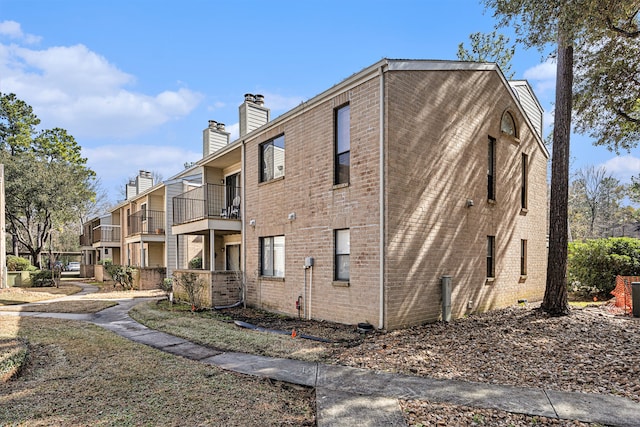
334, 332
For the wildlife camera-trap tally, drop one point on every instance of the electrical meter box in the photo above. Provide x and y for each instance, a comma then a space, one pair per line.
308, 262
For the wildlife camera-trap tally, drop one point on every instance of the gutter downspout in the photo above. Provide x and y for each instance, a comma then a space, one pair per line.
382, 195
243, 246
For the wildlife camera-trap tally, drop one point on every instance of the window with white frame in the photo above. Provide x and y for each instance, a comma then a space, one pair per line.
272, 256
342, 254
342, 145
272, 159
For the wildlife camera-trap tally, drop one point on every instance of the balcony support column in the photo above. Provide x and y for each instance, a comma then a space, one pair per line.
212, 250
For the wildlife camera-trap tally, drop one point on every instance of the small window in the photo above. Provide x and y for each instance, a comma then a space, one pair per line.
343, 249
342, 145
272, 159
491, 169
272, 256
143, 211
491, 252
508, 124
523, 182
523, 257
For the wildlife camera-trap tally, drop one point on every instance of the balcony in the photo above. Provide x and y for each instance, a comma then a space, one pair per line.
145, 222
106, 234
210, 201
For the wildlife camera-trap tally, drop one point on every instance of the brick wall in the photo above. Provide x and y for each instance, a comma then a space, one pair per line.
436, 143
307, 190
436, 134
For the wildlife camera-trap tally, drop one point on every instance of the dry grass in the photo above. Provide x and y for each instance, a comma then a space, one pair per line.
218, 331
110, 293
19, 295
80, 374
71, 306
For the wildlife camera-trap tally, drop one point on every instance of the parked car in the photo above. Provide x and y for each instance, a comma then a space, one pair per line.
73, 266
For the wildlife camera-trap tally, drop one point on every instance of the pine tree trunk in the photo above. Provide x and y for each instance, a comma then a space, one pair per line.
555, 297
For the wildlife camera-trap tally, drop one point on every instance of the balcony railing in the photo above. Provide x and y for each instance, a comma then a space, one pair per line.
209, 201
106, 233
85, 240
145, 222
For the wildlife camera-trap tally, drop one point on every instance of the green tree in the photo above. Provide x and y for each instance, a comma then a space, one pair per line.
594, 264
491, 47
563, 26
47, 180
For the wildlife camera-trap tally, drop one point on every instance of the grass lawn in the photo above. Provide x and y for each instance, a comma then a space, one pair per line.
20, 295
80, 374
214, 330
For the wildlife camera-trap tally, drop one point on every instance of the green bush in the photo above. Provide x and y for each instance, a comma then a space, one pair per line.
195, 263
594, 264
16, 263
121, 275
42, 278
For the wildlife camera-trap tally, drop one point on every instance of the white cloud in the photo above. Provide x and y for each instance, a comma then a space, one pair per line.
542, 77
623, 167
79, 90
13, 30
113, 164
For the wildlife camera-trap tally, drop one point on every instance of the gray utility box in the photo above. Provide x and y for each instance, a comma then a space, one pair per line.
635, 298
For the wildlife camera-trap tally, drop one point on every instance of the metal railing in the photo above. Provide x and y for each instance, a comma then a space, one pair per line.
209, 201
145, 222
106, 233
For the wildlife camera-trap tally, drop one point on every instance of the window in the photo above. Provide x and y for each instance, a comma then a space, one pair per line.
523, 183
508, 124
272, 256
342, 248
491, 169
343, 145
272, 159
143, 211
491, 256
523, 257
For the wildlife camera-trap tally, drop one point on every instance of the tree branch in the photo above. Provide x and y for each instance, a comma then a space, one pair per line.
621, 31
627, 117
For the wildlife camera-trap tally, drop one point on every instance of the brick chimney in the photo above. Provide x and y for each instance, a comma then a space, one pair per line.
214, 137
253, 113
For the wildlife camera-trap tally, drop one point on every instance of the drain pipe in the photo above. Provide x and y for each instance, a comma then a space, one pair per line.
304, 300
310, 287
382, 190
308, 265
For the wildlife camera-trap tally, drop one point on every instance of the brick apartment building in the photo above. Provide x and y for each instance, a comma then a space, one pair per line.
353, 206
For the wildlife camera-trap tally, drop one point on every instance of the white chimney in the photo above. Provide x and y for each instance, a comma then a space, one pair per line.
253, 113
130, 190
144, 181
214, 138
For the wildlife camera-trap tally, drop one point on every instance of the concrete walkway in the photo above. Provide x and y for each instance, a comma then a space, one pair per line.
350, 396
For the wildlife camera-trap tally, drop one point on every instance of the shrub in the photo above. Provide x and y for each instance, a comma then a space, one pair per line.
121, 275
42, 278
16, 263
193, 286
594, 264
195, 263
106, 261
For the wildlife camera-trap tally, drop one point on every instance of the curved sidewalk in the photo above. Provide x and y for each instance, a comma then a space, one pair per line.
350, 396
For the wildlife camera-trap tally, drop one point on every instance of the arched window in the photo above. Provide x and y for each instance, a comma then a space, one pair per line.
508, 124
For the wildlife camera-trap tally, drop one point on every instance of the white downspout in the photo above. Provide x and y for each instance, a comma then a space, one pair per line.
310, 288
243, 246
382, 194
